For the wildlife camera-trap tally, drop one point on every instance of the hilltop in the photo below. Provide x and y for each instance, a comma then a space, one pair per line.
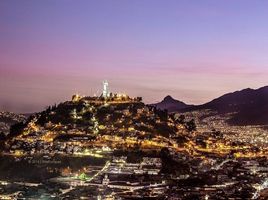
171, 105
117, 121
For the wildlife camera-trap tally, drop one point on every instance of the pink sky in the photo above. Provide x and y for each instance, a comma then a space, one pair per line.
191, 50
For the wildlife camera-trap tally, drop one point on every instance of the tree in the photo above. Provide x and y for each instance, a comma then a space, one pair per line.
139, 99
162, 114
16, 129
216, 134
172, 116
181, 119
2, 136
190, 125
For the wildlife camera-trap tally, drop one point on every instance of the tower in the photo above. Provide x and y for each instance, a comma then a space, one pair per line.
105, 91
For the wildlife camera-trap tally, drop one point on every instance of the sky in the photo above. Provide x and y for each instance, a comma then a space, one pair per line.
192, 50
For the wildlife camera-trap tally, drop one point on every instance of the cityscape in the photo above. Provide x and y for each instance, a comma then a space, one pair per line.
133, 100
113, 146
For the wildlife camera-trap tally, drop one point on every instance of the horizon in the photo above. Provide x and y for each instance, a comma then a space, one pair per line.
193, 51
84, 95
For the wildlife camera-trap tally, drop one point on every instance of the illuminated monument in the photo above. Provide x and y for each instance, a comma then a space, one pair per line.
106, 97
105, 91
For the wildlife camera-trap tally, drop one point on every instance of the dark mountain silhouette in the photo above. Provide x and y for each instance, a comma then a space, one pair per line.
250, 106
170, 104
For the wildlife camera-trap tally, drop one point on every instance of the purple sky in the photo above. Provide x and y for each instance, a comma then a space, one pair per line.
193, 50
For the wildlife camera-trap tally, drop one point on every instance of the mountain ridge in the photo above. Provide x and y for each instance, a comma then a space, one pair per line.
250, 106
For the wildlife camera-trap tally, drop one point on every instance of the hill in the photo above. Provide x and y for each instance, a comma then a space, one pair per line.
117, 122
171, 105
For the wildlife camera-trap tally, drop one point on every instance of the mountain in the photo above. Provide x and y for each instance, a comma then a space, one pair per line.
250, 107
171, 104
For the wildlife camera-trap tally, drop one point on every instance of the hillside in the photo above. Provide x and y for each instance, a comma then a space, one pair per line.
247, 107
250, 107
7, 119
86, 122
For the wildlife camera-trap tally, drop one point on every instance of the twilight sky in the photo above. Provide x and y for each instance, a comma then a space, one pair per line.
193, 50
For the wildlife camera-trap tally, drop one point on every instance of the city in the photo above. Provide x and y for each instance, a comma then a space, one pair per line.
133, 100
114, 146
